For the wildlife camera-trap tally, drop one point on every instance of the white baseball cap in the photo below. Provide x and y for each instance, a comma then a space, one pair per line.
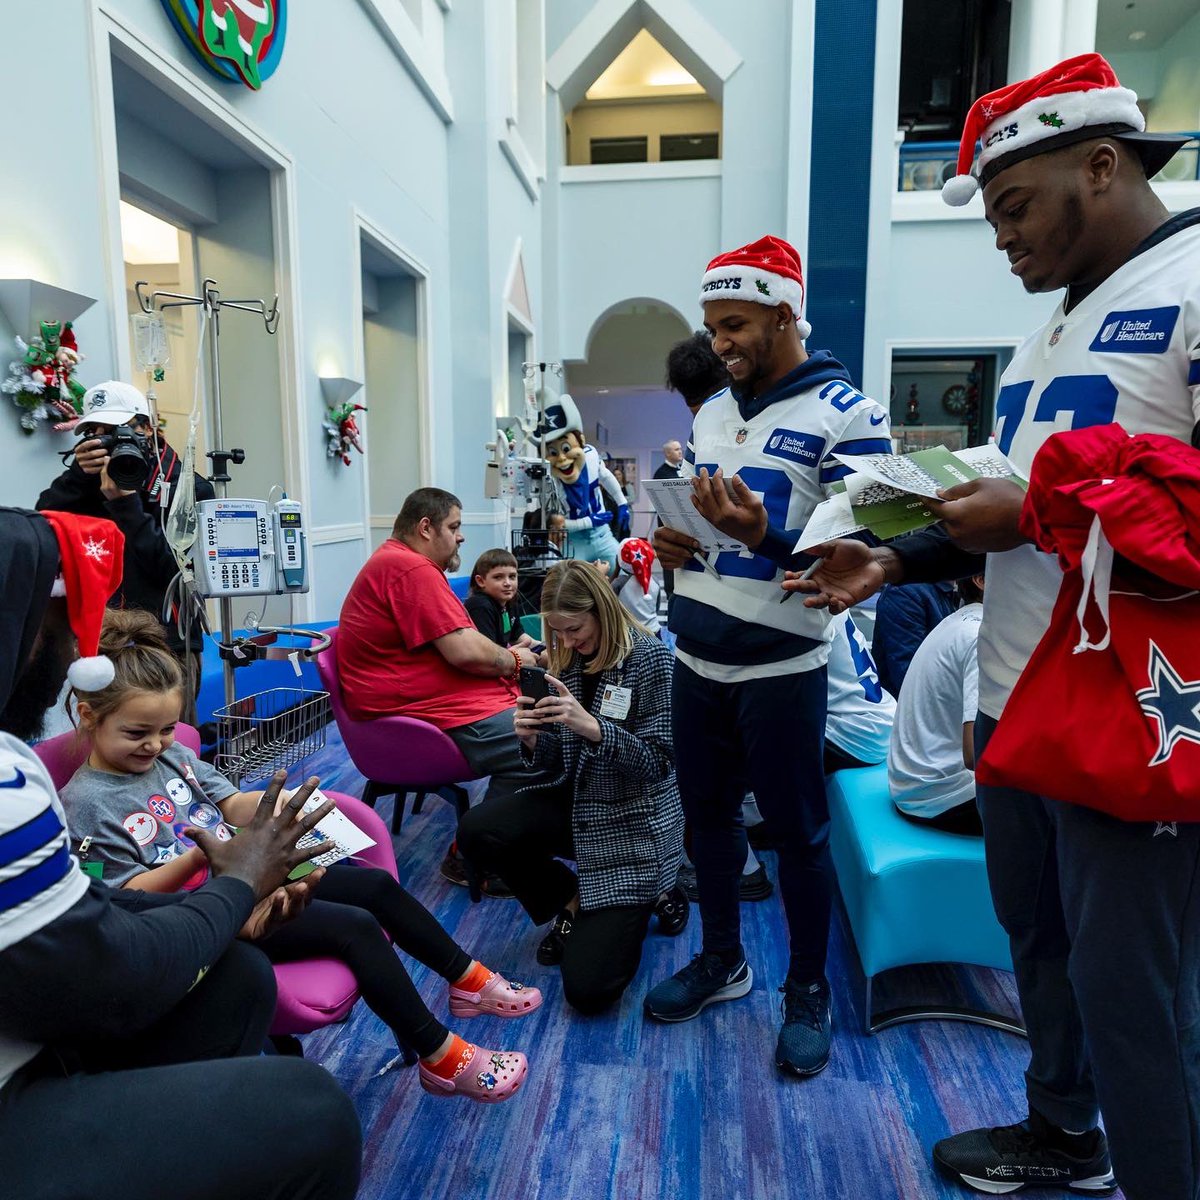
114, 403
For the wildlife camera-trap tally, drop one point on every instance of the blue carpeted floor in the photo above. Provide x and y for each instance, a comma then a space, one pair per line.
617, 1107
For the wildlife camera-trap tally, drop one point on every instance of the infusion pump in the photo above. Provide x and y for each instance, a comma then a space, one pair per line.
250, 548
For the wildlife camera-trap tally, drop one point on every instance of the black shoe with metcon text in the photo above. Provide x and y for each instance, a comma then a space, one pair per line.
672, 911
704, 981
1033, 1154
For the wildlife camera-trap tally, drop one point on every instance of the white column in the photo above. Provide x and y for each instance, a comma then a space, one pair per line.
1079, 27
1035, 36
1044, 32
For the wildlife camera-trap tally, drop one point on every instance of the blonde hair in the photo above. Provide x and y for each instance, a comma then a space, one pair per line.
135, 642
573, 588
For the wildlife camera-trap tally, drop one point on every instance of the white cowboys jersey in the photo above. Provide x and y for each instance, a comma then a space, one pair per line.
1129, 353
784, 455
861, 712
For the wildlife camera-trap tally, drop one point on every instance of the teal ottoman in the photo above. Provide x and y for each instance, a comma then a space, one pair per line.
913, 895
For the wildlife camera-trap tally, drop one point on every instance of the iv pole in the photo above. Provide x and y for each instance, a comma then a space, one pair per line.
212, 304
529, 370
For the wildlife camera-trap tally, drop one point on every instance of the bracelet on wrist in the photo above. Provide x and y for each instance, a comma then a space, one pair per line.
515, 673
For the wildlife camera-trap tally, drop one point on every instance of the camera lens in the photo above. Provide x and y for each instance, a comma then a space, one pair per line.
128, 464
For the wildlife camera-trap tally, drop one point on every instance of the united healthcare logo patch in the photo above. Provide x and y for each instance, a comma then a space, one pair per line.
803, 448
1136, 331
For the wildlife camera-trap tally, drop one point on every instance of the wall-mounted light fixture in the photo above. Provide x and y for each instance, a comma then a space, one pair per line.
337, 390
25, 302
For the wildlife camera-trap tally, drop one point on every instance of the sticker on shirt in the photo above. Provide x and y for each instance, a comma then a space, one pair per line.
162, 808
203, 815
803, 448
167, 853
222, 834
615, 702
177, 829
141, 826
179, 791
1136, 331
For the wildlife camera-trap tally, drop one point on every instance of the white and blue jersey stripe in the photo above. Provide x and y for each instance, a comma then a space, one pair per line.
782, 444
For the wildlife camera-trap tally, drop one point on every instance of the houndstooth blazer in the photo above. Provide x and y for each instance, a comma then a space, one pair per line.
627, 822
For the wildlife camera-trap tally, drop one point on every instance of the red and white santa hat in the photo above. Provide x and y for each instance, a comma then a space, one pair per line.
764, 272
92, 554
636, 556
1073, 101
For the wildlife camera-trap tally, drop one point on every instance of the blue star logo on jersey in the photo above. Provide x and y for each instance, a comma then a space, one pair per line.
1173, 702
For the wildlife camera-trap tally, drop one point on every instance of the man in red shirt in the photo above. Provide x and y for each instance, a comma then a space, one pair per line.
407, 645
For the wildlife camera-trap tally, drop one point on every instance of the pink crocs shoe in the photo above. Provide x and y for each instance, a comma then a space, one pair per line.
497, 998
489, 1076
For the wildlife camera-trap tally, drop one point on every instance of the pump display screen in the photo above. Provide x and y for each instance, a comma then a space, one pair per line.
237, 533
289, 518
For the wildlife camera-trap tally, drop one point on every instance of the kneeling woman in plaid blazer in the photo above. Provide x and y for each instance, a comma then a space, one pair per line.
605, 732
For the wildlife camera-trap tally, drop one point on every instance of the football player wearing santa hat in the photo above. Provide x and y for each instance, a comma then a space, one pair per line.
1103, 915
749, 687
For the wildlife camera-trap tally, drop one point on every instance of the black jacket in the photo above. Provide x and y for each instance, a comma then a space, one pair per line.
149, 564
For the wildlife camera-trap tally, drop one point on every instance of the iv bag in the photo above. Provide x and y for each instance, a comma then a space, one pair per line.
150, 347
181, 520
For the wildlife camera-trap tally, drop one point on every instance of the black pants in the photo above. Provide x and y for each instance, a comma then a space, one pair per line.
267, 1128
345, 923
962, 818
520, 838
1103, 918
766, 736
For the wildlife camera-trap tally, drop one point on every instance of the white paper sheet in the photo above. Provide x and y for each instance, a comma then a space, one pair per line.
342, 835
831, 519
672, 500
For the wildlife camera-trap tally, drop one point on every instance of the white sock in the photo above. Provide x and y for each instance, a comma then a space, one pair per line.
751, 863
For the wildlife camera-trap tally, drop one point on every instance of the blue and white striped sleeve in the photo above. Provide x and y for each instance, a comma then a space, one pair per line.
39, 880
867, 432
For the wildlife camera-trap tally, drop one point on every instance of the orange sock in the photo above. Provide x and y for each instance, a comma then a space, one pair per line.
457, 1053
475, 978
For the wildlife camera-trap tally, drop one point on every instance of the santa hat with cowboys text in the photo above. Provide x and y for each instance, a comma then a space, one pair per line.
764, 272
91, 560
1074, 101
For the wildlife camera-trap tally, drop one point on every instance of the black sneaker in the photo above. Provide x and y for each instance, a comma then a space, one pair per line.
1011, 1157
672, 912
496, 888
452, 867
550, 948
704, 981
755, 886
687, 881
803, 1045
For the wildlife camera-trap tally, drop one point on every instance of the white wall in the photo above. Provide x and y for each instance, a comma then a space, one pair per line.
350, 128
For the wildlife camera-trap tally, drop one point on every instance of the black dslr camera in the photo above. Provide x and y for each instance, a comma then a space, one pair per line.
129, 457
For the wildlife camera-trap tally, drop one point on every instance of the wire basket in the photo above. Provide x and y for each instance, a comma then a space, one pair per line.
259, 734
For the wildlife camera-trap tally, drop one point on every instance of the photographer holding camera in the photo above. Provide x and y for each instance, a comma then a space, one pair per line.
119, 470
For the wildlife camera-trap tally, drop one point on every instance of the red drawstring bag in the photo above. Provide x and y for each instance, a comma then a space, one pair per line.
1107, 712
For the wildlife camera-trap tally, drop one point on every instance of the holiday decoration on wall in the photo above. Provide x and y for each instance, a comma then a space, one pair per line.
239, 40
342, 433
42, 383
912, 410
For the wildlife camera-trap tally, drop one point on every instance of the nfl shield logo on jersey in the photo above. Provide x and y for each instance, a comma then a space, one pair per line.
1054, 337
741, 436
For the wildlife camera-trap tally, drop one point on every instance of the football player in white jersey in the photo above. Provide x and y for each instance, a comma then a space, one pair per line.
1103, 915
749, 690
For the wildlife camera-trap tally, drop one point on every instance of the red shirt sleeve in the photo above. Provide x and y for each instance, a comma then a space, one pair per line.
424, 607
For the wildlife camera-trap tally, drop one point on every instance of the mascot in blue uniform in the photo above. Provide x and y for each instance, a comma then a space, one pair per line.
578, 476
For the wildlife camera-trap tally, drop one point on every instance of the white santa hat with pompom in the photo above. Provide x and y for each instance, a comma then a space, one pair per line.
1073, 101
91, 554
